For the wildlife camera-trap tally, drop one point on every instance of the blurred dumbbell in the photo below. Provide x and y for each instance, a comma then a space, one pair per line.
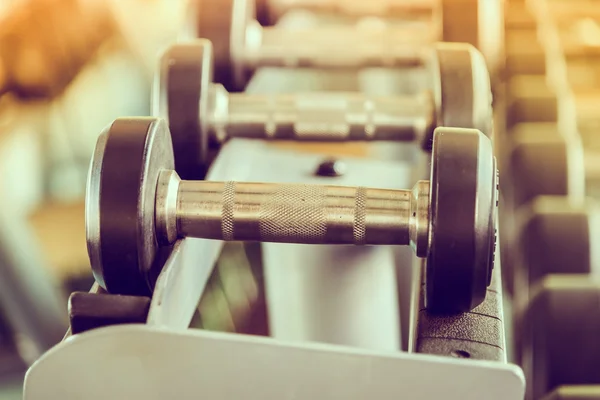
459, 20
558, 236
201, 113
243, 45
560, 334
546, 162
136, 206
523, 50
553, 162
275, 9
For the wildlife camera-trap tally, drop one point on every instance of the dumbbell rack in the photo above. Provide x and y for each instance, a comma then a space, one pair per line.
551, 268
273, 367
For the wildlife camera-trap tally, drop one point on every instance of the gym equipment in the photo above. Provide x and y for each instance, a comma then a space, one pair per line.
201, 113
242, 45
557, 236
380, 8
560, 334
173, 359
136, 206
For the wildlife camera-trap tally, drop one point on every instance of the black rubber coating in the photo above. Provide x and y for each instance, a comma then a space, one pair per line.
136, 151
120, 224
214, 23
462, 214
559, 334
183, 81
89, 311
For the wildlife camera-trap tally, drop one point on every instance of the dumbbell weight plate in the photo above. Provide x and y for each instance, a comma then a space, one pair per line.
462, 214
180, 97
223, 22
478, 22
460, 88
120, 204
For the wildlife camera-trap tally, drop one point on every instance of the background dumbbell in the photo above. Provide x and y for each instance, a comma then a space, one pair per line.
136, 206
560, 335
242, 44
547, 160
459, 19
557, 237
200, 113
414, 10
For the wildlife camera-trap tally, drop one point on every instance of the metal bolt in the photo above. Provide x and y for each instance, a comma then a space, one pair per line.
461, 354
331, 168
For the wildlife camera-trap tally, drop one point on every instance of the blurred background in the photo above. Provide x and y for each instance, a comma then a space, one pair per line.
68, 68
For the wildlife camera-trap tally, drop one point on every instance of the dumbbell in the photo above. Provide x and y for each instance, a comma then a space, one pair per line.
136, 206
560, 334
201, 113
548, 159
242, 45
556, 236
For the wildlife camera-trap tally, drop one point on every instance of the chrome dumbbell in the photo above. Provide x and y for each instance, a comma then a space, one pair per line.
137, 206
242, 45
201, 113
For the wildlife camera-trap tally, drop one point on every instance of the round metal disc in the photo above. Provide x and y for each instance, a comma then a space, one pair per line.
120, 203
181, 97
461, 89
463, 197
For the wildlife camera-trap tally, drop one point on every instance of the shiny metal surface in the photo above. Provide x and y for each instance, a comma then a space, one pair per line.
299, 213
320, 47
328, 116
92, 208
359, 8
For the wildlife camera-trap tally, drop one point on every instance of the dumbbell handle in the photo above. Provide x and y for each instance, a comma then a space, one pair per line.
333, 47
330, 116
380, 8
292, 213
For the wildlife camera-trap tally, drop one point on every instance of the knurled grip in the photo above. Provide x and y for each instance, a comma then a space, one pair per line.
296, 212
293, 213
326, 117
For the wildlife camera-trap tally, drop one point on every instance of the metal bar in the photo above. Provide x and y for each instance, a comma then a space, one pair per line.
320, 47
331, 116
293, 213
